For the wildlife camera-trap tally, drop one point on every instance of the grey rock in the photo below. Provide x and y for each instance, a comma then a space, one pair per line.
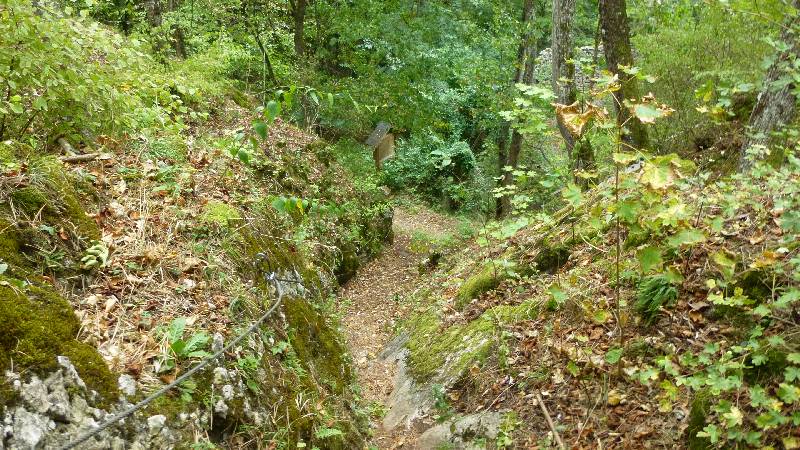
221, 408
227, 392
156, 423
458, 433
34, 394
70, 374
221, 375
29, 430
127, 385
217, 342
60, 407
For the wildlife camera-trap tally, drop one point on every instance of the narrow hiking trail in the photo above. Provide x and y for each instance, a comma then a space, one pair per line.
372, 304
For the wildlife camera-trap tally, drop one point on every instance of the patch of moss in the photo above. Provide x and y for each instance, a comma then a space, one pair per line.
56, 190
30, 200
36, 325
488, 278
219, 213
317, 345
347, 264
552, 258
701, 405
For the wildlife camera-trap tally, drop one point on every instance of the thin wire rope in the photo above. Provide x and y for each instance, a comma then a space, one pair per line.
128, 412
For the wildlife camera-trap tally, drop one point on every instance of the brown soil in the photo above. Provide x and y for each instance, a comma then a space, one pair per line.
372, 303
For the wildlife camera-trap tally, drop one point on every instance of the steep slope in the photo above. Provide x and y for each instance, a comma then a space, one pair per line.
685, 335
166, 247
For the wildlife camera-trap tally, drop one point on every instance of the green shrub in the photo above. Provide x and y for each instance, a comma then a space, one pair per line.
655, 292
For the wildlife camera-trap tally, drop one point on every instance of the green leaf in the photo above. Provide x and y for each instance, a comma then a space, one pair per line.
573, 368
726, 263
791, 373
711, 432
613, 355
689, 236
261, 129
648, 113
649, 258
788, 393
176, 329
625, 158
793, 358
273, 110
572, 194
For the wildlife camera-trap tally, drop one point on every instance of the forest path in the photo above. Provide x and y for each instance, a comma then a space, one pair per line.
372, 303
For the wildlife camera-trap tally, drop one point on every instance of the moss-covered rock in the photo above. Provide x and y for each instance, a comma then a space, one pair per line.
317, 345
552, 258
486, 280
36, 325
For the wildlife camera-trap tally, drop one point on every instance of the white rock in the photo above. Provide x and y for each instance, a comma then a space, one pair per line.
156, 423
60, 407
29, 429
221, 408
227, 392
70, 374
127, 385
34, 393
221, 375
217, 342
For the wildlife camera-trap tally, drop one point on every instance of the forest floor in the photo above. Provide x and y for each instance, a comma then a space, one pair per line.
372, 303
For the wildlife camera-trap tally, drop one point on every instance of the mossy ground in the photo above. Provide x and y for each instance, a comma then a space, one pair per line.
36, 325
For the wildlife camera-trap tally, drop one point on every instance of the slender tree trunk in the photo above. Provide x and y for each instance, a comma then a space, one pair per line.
775, 106
563, 68
523, 71
615, 34
502, 204
299, 15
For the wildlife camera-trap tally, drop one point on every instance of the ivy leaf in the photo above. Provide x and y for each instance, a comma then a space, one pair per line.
686, 237
649, 257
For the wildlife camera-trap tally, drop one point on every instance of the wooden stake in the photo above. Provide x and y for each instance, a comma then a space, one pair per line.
547, 417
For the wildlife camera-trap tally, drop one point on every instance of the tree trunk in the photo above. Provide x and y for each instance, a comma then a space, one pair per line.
774, 107
523, 73
299, 15
615, 34
502, 204
563, 68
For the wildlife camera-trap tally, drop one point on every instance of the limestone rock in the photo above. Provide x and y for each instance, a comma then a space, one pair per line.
127, 385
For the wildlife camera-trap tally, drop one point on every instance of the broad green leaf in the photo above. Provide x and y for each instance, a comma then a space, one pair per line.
788, 393
726, 263
657, 176
689, 236
613, 355
572, 194
649, 258
273, 110
261, 129
648, 112
625, 158
176, 329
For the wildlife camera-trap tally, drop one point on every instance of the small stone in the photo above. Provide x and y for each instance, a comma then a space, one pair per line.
156, 423
221, 408
71, 376
227, 392
221, 375
127, 385
217, 342
60, 407
34, 393
29, 429
614, 398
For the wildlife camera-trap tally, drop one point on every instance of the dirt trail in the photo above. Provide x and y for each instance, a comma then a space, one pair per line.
373, 302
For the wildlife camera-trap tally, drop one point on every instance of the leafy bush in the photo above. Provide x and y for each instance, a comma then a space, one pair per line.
435, 168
